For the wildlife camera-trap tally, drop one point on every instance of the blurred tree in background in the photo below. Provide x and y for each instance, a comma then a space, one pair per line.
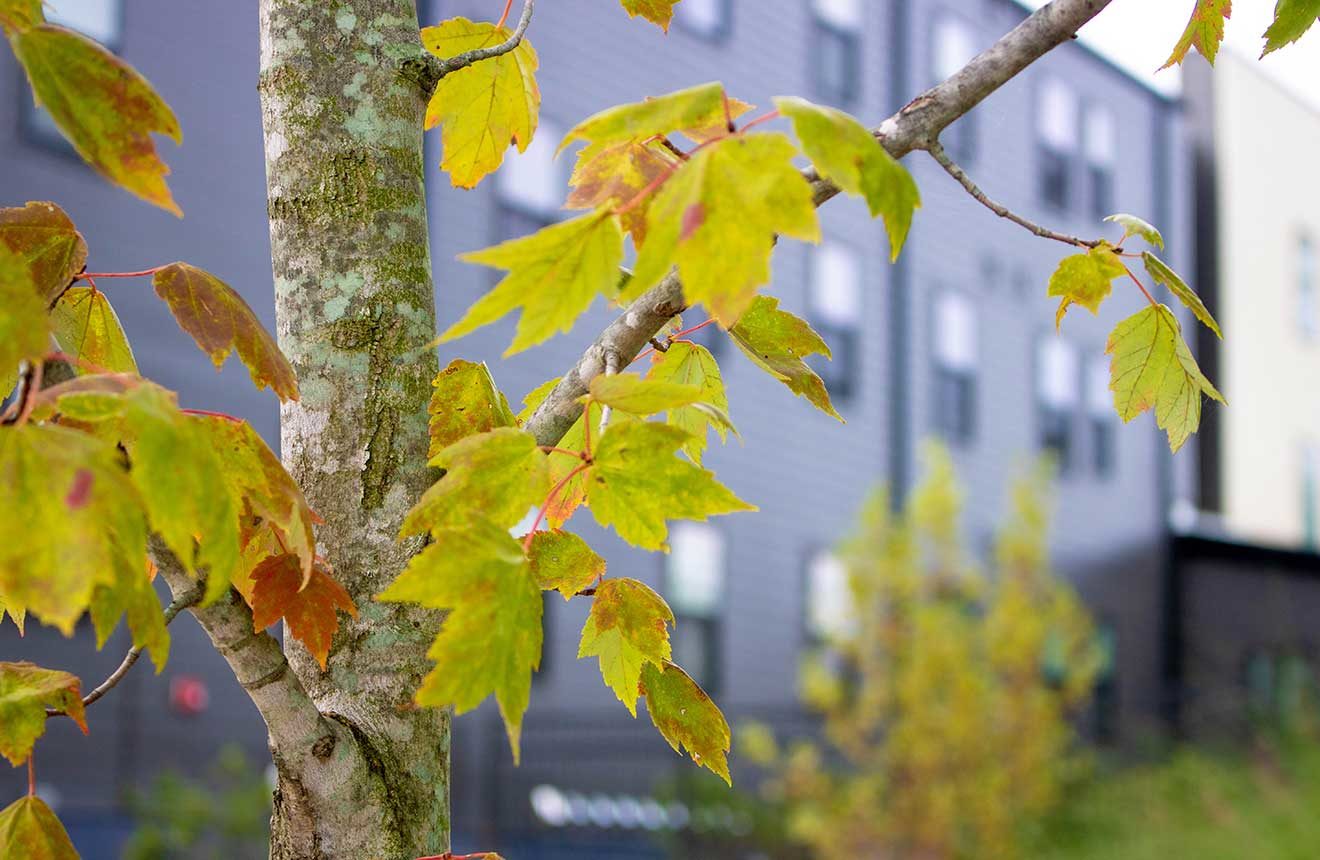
946, 696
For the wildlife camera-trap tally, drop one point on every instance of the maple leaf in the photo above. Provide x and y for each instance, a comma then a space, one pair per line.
26, 691
491, 638
614, 175
562, 561
465, 402
221, 322
693, 364
844, 151
1151, 367
636, 483
30, 830
72, 515
1085, 279
497, 475
1168, 278
106, 109
86, 327
628, 627
777, 342
1205, 31
482, 107
717, 217
572, 490
631, 393
554, 274
687, 718
692, 108
132, 595
1292, 18
658, 12
309, 609
1134, 226
718, 126
24, 329
44, 237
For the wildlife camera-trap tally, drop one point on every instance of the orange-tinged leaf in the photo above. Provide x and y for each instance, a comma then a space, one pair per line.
26, 691
658, 12
465, 402
309, 610
685, 715
614, 175
29, 830
720, 127
16, 15
628, 627
1205, 31
44, 238
221, 322
105, 108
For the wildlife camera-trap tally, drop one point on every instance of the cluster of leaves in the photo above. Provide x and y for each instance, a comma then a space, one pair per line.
1205, 28
1151, 365
946, 697
96, 468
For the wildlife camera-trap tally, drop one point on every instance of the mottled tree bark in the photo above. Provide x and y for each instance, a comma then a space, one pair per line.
354, 308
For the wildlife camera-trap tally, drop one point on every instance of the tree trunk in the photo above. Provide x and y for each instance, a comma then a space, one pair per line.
355, 309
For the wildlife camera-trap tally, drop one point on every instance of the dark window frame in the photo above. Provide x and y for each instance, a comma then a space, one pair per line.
711, 625
1049, 417
960, 427
721, 33
824, 38
841, 374
1100, 178
1055, 167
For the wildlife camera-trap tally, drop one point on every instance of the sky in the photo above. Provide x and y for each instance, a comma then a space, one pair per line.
1138, 35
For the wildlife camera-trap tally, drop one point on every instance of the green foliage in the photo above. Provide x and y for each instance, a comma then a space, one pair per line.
465, 402
1169, 279
30, 831
692, 365
659, 12
944, 736
496, 476
693, 108
485, 107
686, 717
48, 244
1292, 18
26, 691
1134, 226
1205, 31
630, 393
562, 561
1085, 279
628, 628
777, 342
87, 329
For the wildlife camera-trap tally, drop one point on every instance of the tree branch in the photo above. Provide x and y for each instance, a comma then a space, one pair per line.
916, 126
435, 68
941, 157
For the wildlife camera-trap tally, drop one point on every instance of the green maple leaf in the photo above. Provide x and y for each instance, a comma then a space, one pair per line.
491, 638
693, 364
30, 830
221, 322
631, 393
778, 342
1085, 279
627, 628
717, 218
1205, 31
106, 109
26, 691
694, 107
636, 483
1292, 18
562, 561
72, 516
1134, 226
24, 329
658, 12
687, 718
53, 250
1168, 278
554, 275
845, 152
497, 475
132, 595
1152, 368
483, 107
465, 402
86, 327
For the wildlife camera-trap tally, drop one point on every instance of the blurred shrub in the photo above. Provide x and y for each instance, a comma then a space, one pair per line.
224, 817
945, 695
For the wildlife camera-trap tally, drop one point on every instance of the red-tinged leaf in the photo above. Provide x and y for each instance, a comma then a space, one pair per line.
310, 611
80, 490
44, 238
221, 322
26, 691
106, 109
30, 831
17, 15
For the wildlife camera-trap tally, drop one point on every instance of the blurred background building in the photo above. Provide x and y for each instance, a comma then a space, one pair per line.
955, 341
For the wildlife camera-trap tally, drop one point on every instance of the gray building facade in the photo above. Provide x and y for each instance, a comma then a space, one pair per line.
955, 341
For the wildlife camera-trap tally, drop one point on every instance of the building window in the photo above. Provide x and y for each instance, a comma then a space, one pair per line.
709, 19
1056, 393
1100, 146
1056, 131
695, 588
1310, 477
101, 20
955, 354
828, 605
530, 187
837, 52
834, 301
1308, 276
1101, 419
952, 47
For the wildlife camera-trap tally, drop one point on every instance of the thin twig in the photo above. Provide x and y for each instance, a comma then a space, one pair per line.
950, 167
438, 69
180, 603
